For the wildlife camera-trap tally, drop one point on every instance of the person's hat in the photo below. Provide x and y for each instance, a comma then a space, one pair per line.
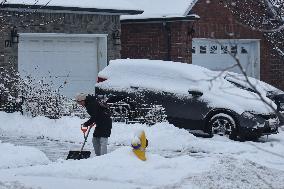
80, 97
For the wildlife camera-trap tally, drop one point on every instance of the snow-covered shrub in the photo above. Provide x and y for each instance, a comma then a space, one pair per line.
35, 97
9, 99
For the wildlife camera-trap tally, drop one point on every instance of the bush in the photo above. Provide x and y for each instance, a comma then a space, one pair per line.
35, 97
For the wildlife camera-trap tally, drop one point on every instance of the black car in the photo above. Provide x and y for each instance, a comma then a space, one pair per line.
188, 96
276, 95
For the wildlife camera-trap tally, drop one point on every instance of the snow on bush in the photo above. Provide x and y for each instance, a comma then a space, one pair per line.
34, 97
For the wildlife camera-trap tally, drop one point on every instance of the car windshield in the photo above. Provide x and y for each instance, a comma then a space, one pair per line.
241, 82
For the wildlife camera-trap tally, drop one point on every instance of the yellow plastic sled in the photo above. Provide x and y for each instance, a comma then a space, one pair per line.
139, 145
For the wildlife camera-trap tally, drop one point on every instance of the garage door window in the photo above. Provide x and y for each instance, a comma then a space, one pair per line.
214, 49
202, 49
234, 49
244, 50
193, 50
224, 49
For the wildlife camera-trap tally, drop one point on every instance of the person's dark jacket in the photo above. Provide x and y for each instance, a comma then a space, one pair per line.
99, 115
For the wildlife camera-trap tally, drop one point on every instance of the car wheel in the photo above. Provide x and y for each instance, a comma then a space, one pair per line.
222, 124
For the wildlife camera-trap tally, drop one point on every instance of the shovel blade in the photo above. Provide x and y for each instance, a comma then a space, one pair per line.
77, 155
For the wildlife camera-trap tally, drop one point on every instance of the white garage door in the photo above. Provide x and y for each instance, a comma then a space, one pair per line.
69, 61
214, 54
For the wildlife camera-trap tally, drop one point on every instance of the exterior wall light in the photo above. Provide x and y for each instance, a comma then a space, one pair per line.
116, 37
14, 36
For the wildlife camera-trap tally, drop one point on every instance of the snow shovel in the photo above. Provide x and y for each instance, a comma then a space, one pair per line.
77, 155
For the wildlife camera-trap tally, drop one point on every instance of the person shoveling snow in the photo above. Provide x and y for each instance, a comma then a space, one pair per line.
99, 116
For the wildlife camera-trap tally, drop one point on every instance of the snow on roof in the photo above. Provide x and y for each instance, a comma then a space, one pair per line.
124, 5
162, 8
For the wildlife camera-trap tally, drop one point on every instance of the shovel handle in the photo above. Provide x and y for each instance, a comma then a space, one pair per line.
85, 137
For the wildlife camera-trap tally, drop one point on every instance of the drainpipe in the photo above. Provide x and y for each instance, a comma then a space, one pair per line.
168, 34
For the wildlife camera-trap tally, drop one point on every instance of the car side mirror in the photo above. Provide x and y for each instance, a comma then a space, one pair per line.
195, 94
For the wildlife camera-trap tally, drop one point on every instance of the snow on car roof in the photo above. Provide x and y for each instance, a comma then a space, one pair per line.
162, 8
178, 78
166, 75
87, 4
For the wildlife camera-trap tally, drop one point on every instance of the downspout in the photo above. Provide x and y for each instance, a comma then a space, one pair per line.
169, 38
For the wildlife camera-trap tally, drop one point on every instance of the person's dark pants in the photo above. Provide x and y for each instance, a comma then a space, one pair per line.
100, 145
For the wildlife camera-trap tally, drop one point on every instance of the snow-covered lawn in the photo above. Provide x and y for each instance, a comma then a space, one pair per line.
176, 159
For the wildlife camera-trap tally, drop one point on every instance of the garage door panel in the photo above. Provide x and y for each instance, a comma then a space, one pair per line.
72, 85
60, 59
217, 55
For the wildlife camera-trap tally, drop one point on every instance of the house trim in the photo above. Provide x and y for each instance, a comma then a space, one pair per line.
157, 20
42, 8
61, 35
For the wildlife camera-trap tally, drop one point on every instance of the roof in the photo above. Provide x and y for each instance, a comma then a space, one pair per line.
161, 9
92, 6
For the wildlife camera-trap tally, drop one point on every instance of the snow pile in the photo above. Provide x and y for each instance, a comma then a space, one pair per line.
123, 166
65, 128
68, 129
239, 173
175, 159
20, 156
164, 138
157, 135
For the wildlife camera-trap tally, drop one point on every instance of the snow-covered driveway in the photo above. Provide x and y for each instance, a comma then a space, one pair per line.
53, 149
176, 159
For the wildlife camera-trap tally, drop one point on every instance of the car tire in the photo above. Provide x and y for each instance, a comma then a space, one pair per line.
222, 124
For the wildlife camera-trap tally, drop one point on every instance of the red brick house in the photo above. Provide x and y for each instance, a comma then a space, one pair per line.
202, 32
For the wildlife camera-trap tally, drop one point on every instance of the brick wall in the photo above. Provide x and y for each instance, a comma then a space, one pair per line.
160, 40
143, 41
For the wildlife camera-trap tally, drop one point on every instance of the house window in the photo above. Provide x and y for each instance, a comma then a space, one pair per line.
213, 49
193, 50
244, 50
202, 49
234, 49
224, 49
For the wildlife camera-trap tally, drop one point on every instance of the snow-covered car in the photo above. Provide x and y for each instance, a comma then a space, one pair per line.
192, 97
265, 89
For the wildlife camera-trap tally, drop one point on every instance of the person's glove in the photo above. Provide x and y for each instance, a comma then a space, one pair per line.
84, 128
